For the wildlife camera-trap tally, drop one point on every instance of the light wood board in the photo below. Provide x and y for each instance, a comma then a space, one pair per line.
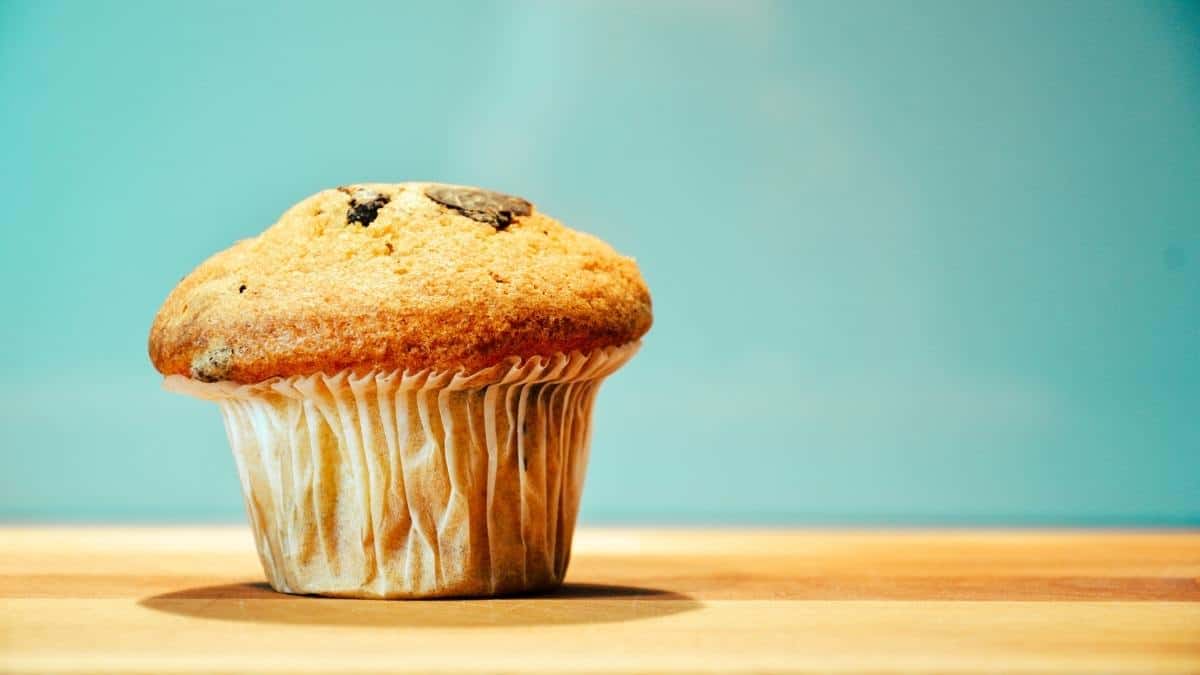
191, 599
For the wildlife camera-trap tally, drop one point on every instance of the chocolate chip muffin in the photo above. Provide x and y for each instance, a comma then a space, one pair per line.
406, 374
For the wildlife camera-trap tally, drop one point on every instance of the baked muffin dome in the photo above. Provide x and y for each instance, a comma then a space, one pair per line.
407, 276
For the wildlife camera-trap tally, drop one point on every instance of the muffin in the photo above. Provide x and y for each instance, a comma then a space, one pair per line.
406, 374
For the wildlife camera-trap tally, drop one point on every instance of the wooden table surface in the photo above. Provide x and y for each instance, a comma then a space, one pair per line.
192, 599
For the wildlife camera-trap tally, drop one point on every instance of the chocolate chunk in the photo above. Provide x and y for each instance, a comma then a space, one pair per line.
212, 365
495, 209
364, 205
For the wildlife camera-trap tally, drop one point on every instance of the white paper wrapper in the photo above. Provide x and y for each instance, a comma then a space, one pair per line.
403, 485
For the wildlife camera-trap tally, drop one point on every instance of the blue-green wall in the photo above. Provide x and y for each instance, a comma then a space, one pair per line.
911, 262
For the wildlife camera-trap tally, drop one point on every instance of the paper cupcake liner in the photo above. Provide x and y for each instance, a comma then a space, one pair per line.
393, 485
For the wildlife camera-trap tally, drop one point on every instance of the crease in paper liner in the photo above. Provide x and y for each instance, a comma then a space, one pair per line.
424, 484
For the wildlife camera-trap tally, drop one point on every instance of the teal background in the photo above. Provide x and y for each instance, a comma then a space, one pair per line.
912, 262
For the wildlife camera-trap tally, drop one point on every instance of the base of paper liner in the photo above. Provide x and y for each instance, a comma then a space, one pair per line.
399, 485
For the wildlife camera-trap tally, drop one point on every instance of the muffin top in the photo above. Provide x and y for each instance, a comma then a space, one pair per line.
407, 276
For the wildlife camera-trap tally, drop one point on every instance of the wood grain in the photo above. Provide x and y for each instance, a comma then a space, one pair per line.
191, 600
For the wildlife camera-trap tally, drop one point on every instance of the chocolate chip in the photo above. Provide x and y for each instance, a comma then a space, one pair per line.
364, 205
213, 365
495, 209
242, 288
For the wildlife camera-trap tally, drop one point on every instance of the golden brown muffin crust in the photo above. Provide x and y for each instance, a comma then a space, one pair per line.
382, 276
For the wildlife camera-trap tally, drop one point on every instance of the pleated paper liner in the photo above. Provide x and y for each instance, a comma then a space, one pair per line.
410, 485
